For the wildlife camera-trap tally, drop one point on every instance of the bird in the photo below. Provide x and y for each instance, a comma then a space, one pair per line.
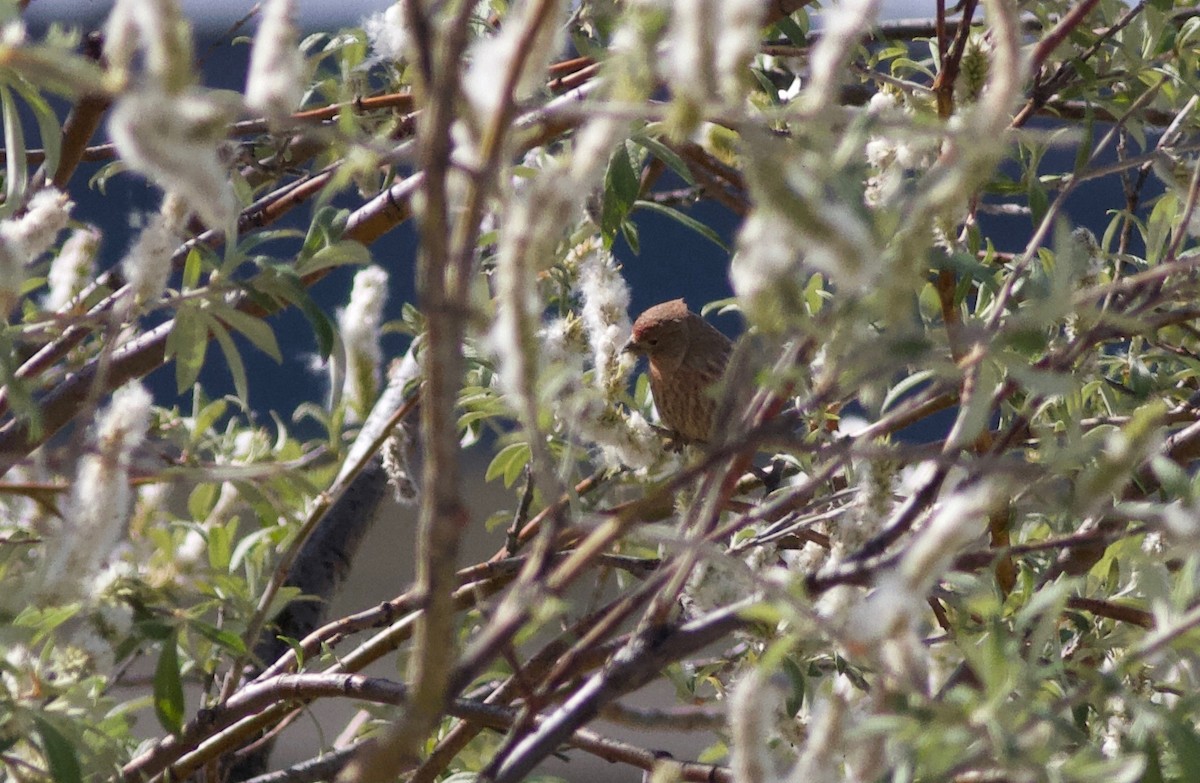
687, 356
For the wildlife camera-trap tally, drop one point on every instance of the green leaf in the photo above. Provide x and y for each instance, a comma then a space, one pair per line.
326, 228
187, 344
206, 415
256, 330
220, 544
16, 169
201, 501
233, 358
341, 253
509, 462
192, 267
766, 85
795, 34
621, 187
44, 621
61, 757
1187, 747
1153, 773
685, 219
284, 284
297, 649
168, 687
20, 395
975, 413
226, 639
629, 230
664, 153
48, 128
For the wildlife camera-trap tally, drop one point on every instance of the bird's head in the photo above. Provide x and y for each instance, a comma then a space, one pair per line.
661, 334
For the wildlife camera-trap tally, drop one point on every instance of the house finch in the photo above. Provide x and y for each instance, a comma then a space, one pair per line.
687, 356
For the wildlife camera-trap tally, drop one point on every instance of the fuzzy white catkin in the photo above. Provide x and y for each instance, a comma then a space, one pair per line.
605, 313
275, 79
891, 609
359, 323
387, 32
755, 706
160, 31
24, 238
34, 232
494, 59
175, 140
72, 268
740, 29
844, 24
768, 248
147, 265
690, 50
709, 46
101, 497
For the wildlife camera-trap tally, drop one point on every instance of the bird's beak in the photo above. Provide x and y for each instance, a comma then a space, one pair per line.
630, 347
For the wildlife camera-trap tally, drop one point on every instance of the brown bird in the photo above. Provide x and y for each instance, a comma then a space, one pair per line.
687, 356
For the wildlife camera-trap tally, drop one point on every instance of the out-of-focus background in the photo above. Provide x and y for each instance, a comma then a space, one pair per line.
314, 14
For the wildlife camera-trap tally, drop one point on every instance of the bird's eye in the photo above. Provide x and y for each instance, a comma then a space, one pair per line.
652, 341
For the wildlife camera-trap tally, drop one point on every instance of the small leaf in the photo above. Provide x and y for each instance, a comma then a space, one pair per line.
283, 284
341, 253
795, 34
48, 128
256, 330
686, 220
326, 228
201, 501
1187, 748
975, 413
509, 462
187, 344
220, 544
233, 358
666, 155
192, 267
168, 687
61, 757
621, 188
629, 230
16, 168
226, 639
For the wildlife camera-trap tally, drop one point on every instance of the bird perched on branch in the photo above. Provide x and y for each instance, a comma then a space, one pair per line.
687, 356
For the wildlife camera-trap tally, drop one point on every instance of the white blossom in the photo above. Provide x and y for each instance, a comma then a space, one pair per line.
101, 496
175, 140
24, 238
35, 231
756, 713
843, 24
709, 46
275, 80
493, 59
147, 265
740, 30
72, 268
605, 313
359, 324
768, 248
387, 32
160, 31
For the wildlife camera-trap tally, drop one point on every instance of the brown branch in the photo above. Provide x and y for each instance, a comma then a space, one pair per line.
943, 85
1060, 31
1113, 611
636, 665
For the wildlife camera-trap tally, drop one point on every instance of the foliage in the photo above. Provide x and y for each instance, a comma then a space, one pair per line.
836, 586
